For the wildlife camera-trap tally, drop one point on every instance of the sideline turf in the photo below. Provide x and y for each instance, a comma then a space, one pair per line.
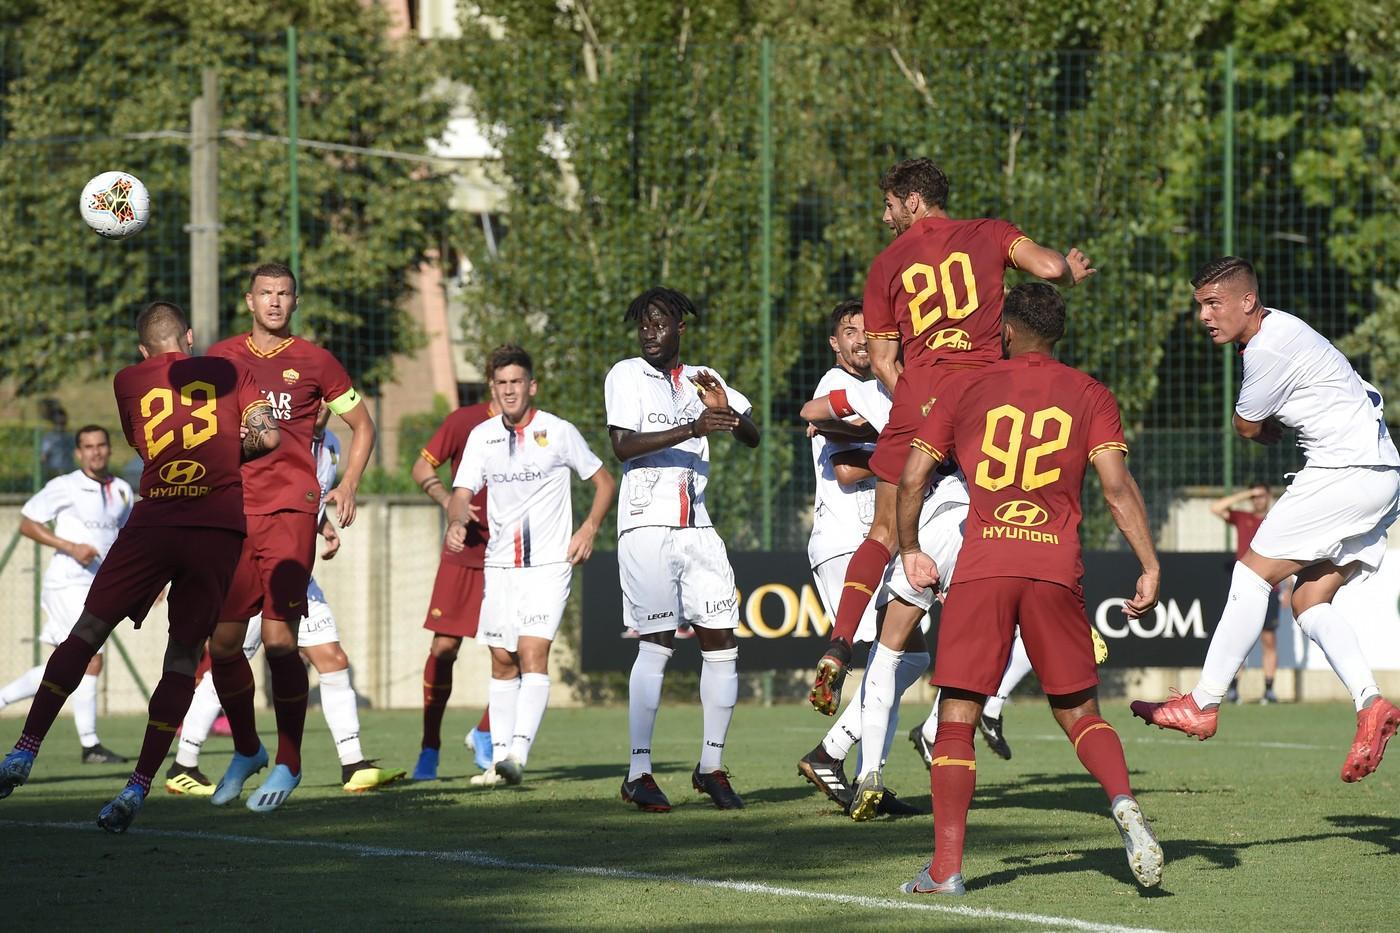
1256, 837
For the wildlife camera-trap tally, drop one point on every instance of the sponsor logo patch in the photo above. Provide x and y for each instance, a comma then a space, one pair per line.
182, 472
290, 376
950, 338
1022, 513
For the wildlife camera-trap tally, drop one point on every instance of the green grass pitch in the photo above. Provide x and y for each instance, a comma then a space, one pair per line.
1259, 833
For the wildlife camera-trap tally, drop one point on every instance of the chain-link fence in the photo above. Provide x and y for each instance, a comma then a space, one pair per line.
745, 175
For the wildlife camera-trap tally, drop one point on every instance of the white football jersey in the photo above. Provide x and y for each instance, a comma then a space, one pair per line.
841, 515
525, 469
666, 487
327, 454
1294, 374
83, 510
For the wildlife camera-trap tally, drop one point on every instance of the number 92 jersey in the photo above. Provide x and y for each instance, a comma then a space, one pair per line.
182, 414
1024, 431
938, 290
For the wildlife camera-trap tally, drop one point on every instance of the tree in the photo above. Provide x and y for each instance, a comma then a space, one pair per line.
82, 95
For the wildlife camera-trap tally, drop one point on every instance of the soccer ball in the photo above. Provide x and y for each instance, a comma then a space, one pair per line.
115, 205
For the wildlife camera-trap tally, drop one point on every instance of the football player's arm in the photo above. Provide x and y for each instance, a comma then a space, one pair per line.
821, 414
581, 544
362, 434
258, 433
37, 531
459, 513
425, 475
851, 466
884, 361
909, 502
1124, 500
330, 536
745, 431
1065, 270
1265, 432
627, 444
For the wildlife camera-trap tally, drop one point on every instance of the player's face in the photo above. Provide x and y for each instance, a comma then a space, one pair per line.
1224, 308
512, 388
660, 337
94, 450
272, 302
899, 215
849, 344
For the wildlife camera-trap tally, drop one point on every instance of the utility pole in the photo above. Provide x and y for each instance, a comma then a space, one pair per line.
204, 213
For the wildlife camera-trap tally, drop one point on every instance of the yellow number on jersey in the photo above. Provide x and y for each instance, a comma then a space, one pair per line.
159, 403
1009, 456
935, 282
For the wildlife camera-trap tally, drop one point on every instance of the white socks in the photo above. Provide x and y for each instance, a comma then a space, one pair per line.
643, 699
204, 709
22, 687
534, 697
1337, 639
911, 667
503, 696
845, 732
719, 691
1016, 670
879, 693
342, 715
1239, 628
84, 701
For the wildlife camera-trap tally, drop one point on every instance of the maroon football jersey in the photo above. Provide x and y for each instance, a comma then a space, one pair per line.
1024, 431
294, 377
448, 443
938, 289
1246, 525
182, 414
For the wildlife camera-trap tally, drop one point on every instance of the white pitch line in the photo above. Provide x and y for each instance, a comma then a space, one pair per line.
483, 860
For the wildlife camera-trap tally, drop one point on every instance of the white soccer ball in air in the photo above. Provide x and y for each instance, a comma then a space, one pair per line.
115, 205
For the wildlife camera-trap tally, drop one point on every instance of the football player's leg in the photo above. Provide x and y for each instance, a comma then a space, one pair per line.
1016, 670
290, 686
199, 720
719, 692
1321, 622
233, 681
912, 665
1239, 628
169, 702
952, 779
504, 700
62, 674
437, 686
867, 566
22, 687
643, 699
534, 695
882, 680
338, 702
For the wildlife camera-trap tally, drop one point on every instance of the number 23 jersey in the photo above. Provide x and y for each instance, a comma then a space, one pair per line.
1024, 431
182, 414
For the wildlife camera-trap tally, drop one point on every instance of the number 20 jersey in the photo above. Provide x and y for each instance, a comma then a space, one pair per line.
938, 290
182, 414
1024, 431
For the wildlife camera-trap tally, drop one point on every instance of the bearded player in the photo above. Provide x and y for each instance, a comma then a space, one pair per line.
936, 293
281, 498
1025, 431
183, 415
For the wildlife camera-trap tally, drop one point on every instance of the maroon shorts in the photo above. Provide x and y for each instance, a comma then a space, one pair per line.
274, 568
914, 396
979, 622
198, 563
455, 608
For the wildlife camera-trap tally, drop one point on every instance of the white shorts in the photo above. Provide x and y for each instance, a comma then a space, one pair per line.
524, 601
318, 628
62, 607
830, 576
674, 575
940, 537
1338, 514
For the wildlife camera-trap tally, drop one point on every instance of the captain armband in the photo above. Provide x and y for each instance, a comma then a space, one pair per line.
840, 405
343, 403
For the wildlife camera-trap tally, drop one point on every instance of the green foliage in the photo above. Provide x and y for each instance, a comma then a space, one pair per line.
81, 97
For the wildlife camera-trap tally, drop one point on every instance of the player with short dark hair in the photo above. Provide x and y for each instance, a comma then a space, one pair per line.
673, 566
454, 609
183, 415
87, 508
1024, 431
934, 294
282, 498
523, 459
1327, 530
